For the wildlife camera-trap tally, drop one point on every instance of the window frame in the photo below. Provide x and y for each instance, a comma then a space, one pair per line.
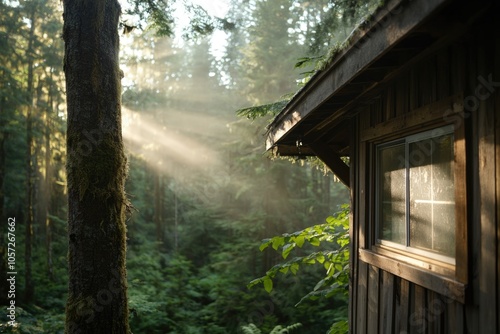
406, 141
447, 279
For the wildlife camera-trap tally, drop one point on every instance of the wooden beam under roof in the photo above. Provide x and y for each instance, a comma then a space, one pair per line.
333, 161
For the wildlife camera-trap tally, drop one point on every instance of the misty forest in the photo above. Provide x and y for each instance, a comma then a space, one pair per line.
136, 192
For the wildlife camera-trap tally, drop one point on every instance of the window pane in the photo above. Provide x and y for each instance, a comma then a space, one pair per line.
432, 194
392, 194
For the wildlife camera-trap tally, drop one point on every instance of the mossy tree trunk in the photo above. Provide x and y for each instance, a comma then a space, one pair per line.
96, 167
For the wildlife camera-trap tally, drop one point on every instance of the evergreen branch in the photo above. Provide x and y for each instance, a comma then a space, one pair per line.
262, 110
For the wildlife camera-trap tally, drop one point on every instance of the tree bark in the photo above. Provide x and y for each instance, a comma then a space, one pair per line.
48, 186
29, 289
158, 216
3, 234
96, 168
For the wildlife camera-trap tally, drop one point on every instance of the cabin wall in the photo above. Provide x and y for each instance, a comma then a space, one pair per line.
467, 69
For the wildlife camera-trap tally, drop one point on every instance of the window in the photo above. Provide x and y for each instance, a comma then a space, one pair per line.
415, 194
412, 211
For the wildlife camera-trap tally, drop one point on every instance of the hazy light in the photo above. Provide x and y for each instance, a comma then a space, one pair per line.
158, 143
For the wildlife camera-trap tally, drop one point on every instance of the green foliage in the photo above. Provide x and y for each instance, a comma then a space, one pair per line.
338, 21
188, 273
156, 14
334, 258
252, 329
262, 110
34, 321
339, 327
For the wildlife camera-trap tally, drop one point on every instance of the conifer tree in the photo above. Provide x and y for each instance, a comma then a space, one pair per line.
96, 167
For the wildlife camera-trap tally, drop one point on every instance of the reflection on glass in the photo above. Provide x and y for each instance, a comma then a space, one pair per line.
432, 193
392, 194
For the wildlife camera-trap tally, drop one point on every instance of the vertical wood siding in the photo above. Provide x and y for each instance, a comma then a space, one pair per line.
385, 303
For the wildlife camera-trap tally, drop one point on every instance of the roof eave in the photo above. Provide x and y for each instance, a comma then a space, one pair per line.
388, 25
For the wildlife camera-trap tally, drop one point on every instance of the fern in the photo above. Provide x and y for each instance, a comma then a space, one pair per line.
252, 329
285, 330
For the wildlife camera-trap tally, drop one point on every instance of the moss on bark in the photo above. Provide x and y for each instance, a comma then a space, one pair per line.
97, 169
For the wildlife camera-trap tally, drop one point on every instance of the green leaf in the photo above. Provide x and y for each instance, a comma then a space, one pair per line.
328, 267
284, 270
254, 282
299, 240
287, 249
320, 258
319, 285
277, 242
268, 284
264, 244
294, 268
315, 242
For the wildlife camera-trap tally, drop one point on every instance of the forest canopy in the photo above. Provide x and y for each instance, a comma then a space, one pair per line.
203, 193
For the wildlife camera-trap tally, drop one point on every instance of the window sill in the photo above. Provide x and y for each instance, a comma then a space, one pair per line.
442, 284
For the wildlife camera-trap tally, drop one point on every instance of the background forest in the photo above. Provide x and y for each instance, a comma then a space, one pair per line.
203, 190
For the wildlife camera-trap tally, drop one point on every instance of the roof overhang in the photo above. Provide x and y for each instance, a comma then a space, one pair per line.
398, 34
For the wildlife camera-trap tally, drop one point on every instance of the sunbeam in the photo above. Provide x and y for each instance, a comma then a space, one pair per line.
162, 146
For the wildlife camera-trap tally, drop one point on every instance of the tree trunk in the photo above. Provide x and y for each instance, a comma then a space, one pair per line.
3, 234
96, 168
158, 216
48, 187
29, 289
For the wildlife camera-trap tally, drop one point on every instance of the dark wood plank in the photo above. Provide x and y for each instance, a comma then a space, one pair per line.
397, 304
455, 320
389, 104
472, 309
353, 227
436, 311
488, 263
458, 67
386, 303
361, 312
413, 93
362, 230
405, 300
418, 317
402, 98
461, 205
373, 299
444, 77
362, 188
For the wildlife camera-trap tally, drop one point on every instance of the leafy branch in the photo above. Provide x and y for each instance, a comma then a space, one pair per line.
335, 231
263, 110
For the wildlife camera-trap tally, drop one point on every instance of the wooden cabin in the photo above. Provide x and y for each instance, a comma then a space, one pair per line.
407, 115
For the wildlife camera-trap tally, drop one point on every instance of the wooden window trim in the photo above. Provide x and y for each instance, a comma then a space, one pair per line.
446, 279
441, 284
